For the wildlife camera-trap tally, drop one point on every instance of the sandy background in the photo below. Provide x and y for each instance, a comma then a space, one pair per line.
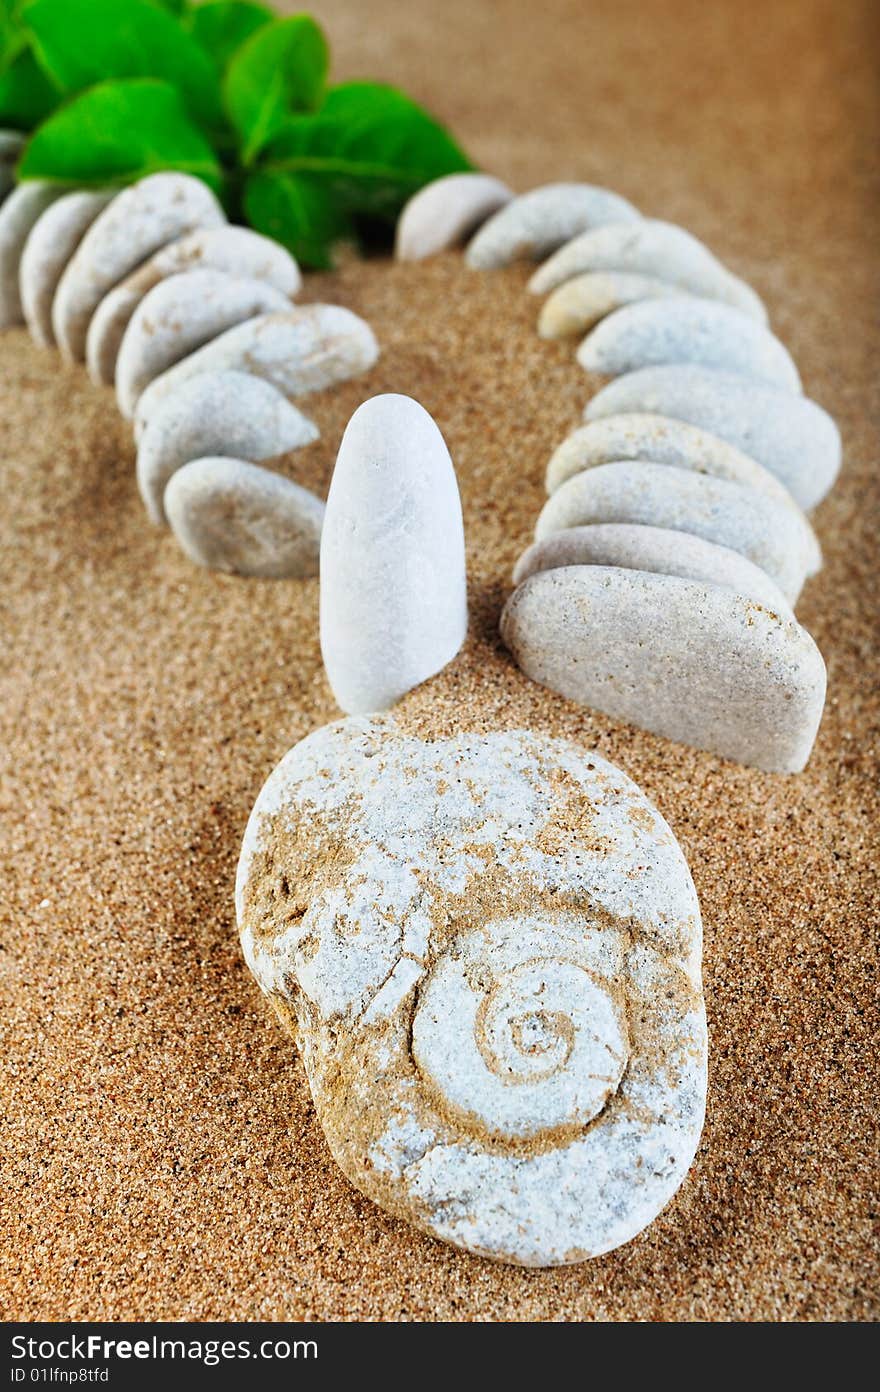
160, 1156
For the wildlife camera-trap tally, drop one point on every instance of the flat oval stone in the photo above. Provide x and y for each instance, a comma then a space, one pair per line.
52, 241
650, 248
663, 440
19, 213
487, 949
303, 350
659, 495
694, 662
446, 211
230, 515
536, 223
179, 315
580, 303
655, 549
790, 435
237, 250
139, 221
393, 587
216, 413
688, 330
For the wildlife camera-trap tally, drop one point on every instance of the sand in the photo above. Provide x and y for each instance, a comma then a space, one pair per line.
160, 1155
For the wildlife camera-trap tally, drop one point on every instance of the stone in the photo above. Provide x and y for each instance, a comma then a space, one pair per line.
52, 241
659, 495
650, 248
688, 330
693, 662
393, 587
11, 146
139, 221
536, 223
580, 303
446, 211
302, 350
19, 213
179, 315
663, 440
635, 547
230, 515
487, 949
790, 435
237, 250
216, 413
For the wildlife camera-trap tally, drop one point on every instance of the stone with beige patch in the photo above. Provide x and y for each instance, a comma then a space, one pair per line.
581, 303
487, 949
695, 662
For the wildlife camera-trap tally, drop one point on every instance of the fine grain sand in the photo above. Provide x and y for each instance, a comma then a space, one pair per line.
160, 1156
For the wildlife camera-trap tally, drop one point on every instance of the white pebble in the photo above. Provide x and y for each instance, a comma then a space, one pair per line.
53, 239
444, 212
536, 223
19, 213
580, 303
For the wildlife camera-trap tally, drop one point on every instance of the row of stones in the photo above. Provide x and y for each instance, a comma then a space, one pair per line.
673, 545
192, 320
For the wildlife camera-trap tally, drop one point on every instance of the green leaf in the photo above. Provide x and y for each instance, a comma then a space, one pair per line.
222, 26
281, 69
297, 211
118, 132
26, 93
370, 145
81, 42
176, 7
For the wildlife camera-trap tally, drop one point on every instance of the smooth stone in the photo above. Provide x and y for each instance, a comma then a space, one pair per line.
651, 248
139, 221
237, 250
536, 223
180, 315
580, 303
393, 586
487, 949
693, 662
19, 214
663, 440
52, 241
303, 350
446, 211
660, 495
230, 515
790, 435
216, 413
635, 547
688, 330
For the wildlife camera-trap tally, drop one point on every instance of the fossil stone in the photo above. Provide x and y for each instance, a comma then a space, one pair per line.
393, 586
302, 350
657, 549
19, 214
137, 223
234, 516
444, 212
216, 413
53, 239
789, 434
580, 303
536, 223
695, 662
650, 248
179, 315
237, 250
688, 329
487, 949
660, 495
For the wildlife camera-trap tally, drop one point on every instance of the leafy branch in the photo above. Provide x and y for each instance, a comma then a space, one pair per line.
223, 90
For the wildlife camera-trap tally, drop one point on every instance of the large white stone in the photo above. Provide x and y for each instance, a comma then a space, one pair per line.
19, 214
53, 239
488, 951
445, 211
393, 588
536, 223
790, 435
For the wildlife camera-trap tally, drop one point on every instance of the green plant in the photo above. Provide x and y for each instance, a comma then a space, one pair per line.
115, 89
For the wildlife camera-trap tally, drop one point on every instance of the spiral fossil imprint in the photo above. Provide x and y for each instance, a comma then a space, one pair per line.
488, 950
